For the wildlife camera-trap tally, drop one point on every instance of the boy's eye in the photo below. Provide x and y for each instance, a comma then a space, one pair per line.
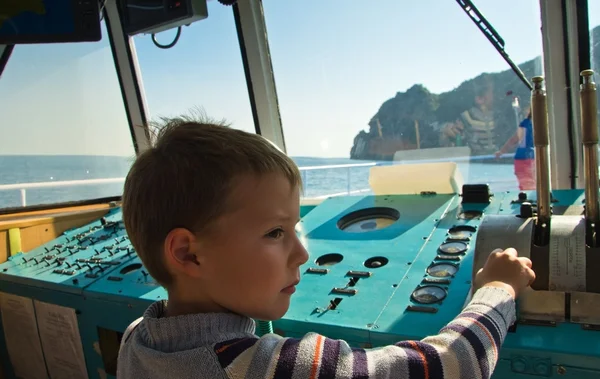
276, 233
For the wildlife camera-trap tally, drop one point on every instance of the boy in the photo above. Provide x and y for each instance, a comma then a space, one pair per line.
475, 127
211, 212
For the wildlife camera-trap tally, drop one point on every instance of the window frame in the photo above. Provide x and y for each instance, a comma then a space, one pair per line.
5, 52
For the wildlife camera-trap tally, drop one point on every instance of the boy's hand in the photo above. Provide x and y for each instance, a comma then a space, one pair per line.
505, 270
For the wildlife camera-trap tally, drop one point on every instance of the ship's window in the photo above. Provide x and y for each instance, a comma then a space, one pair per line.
64, 134
203, 72
378, 82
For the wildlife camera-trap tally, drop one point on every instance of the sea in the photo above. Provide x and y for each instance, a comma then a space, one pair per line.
320, 178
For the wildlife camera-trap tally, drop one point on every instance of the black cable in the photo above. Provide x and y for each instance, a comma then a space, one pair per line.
169, 45
176, 39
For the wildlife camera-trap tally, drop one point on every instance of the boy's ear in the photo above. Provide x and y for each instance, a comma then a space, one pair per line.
182, 253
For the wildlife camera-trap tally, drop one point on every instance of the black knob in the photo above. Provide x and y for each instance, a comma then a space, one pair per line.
526, 210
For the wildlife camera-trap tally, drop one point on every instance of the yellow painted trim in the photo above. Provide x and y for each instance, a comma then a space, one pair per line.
14, 240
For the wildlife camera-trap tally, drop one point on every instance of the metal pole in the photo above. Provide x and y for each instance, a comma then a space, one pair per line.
23, 197
539, 110
589, 128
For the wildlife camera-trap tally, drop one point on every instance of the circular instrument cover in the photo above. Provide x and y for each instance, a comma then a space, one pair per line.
442, 270
454, 247
462, 232
470, 215
368, 220
429, 294
376, 262
329, 259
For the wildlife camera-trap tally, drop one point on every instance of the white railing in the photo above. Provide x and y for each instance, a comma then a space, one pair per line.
23, 187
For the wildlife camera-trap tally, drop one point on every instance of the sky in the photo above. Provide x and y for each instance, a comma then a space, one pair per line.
335, 63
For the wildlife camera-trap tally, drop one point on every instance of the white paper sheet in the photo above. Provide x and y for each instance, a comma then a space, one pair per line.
22, 338
61, 341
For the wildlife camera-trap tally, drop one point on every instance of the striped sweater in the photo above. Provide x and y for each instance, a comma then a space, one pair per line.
224, 346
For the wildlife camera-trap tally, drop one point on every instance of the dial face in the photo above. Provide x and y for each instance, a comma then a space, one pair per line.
368, 219
329, 259
376, 262
442, 270
454, 247
429, 294
368, 224
463, 232
469, 215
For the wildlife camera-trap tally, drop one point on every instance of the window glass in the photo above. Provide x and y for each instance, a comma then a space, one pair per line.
65, 134
402, 82
203, 72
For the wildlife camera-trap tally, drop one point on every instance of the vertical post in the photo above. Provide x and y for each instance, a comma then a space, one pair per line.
574, 42
128, 73
589, 132
23, 197
539, 113
558, 74
254, 46
417, 134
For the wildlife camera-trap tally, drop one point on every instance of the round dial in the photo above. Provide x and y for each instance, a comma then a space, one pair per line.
428, 294
469, 215
369, 224
442, 270
463, 232
455, 247
368, 219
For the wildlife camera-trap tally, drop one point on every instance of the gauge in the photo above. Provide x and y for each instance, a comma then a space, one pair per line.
442, 270
376, 262
462, 232
429, 294
369, 224
454, 247
469, 215
368, 220
329, 259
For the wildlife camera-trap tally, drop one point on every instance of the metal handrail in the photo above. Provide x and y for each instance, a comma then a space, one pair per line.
23, 187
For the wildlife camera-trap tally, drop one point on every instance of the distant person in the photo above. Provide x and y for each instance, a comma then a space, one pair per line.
475, 127
524, 155
211, 212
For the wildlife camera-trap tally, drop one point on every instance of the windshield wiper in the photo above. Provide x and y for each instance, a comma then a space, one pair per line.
492, 35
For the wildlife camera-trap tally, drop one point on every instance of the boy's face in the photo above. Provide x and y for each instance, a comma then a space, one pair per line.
252, 255
486, 100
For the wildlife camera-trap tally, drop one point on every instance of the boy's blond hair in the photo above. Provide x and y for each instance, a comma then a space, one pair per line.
185, 179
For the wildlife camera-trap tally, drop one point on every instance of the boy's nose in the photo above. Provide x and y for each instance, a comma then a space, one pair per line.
300, 253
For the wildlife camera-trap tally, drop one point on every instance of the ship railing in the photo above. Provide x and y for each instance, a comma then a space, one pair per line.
23, 187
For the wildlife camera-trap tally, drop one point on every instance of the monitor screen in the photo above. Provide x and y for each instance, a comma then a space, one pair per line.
140, 16
48, 21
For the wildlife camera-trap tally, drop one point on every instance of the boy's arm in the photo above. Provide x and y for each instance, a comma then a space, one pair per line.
466, 348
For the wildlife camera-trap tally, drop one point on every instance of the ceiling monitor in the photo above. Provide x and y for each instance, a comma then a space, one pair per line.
154, 16
49, 21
